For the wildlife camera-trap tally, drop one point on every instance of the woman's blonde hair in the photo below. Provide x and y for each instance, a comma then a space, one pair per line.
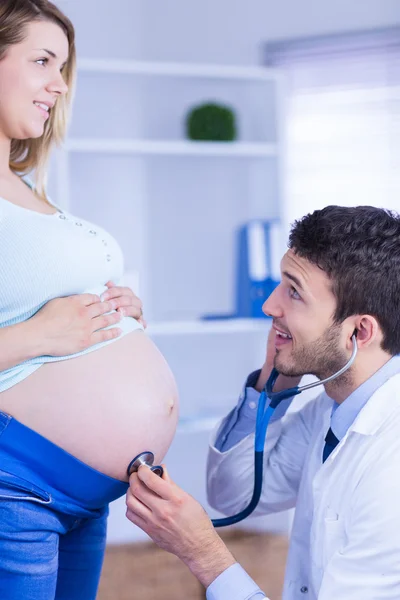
29, 154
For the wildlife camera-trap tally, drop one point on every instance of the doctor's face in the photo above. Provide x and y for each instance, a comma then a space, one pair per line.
302, 306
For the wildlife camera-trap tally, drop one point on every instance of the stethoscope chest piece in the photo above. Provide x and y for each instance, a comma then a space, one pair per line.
144, 459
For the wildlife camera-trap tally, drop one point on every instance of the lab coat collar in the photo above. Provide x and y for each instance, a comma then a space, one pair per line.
381, 405
384, 402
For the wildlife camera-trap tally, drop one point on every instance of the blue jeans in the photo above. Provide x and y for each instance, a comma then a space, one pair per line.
53, 518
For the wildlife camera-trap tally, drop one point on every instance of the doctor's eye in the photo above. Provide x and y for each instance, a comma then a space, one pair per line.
293, 293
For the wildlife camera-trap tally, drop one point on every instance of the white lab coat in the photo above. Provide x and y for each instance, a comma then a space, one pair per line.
345, 540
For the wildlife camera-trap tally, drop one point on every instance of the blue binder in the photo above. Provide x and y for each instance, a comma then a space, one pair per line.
256, 277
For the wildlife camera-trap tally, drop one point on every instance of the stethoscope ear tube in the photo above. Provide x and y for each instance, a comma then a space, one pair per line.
263, 418
261, 430
258, 470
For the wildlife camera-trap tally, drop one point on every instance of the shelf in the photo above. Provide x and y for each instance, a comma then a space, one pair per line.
250, 73
172, 148
209, 327
199, 424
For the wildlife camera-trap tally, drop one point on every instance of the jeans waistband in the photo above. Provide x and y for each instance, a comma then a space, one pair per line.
28, 454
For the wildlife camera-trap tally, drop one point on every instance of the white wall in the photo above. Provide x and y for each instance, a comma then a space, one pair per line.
221, 31
233, 31
105, 33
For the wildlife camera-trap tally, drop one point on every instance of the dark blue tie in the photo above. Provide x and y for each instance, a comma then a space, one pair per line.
331, 442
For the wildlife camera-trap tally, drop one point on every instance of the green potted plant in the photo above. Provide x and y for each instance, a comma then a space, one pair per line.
211, 122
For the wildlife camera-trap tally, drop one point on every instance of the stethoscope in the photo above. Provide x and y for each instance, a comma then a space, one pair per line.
262, 421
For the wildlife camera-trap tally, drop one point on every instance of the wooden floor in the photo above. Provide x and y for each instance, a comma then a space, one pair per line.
144, 572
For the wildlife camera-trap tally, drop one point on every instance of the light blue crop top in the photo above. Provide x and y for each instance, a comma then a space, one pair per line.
51, 256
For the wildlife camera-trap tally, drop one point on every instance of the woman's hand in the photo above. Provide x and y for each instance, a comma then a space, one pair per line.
124, 301
68, 325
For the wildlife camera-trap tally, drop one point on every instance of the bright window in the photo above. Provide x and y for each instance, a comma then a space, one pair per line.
343, 122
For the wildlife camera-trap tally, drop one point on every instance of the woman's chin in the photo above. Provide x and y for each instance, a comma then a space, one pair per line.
30, 133
37, 134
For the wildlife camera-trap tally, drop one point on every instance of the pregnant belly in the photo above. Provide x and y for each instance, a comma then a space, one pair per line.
104, 407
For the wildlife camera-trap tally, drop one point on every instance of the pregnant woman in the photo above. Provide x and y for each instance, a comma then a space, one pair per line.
82, 388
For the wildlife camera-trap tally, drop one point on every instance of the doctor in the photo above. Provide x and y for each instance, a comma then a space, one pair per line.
337, 459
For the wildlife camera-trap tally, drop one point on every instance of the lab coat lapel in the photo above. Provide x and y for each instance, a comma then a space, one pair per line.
382, 404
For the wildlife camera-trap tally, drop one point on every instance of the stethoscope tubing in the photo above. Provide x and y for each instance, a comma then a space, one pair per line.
262, 421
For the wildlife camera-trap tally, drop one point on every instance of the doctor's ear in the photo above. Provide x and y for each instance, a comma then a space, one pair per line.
367, 331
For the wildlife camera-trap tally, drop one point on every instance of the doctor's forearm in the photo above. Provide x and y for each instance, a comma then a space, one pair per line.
209, 561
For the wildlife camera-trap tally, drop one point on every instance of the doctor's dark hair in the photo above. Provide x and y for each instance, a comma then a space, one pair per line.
359, 249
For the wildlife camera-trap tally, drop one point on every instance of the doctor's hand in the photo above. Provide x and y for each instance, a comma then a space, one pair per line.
177, 523
125, 302
283, 382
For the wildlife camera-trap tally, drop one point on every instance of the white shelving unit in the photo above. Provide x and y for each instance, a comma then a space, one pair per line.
229, 326
127, 164
168, 69
174, 148
175, 205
